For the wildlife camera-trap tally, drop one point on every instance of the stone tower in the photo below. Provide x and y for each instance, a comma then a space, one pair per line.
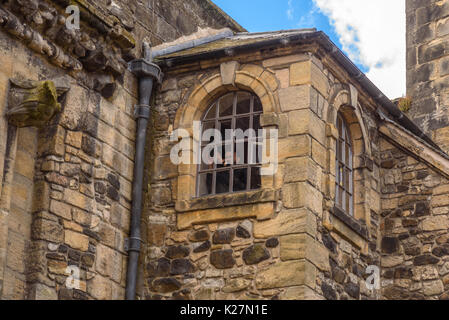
428, 67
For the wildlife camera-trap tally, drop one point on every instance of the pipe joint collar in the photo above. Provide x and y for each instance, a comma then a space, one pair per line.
133, 244
141, 111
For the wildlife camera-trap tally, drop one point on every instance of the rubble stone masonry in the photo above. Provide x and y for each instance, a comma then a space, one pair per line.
66, 187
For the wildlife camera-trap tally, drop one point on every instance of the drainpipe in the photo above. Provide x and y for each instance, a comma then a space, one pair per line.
146, 72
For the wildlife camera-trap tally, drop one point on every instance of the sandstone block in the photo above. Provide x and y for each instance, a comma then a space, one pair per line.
295, 98
306, 122
61, 209
301, 194
287, 222
76, 240
302, 170
287, 274
294, 147
302, 246
307, 72
435, 223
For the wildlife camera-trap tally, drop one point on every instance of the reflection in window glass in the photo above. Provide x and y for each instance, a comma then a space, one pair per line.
222, 185
212, 113
256, 182
240, 179
227, 105
243, 103
205, 184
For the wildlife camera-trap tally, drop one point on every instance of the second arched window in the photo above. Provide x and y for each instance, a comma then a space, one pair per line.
344, 169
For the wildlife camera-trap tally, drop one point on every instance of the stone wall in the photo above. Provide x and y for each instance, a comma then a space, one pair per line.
415, 200
284, 241
66, 187
428, 66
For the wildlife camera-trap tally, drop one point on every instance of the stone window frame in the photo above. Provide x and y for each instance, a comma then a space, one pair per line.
355, 229
260, 204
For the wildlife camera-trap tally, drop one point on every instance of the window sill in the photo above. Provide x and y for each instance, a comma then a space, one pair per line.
348, 228
258, 204
352, 223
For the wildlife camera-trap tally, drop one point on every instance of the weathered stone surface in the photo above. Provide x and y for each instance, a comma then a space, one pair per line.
166, 285
396, 293
181, 266
156, 234
329, 242
435, 223
338, 275
328, 292
412, 246
295, 98
255, 254
432, 288
403, 273
295, 221
177, 252
241, 232
285, 274
272, 243
353, 290
100, 288
222, 259
425, 259
76, 240
307, 72
236, 285
391, 261
203, 247
441, 251
160, 268
42, 292
88, 259
199, 236
390, 245
302, 246
297, 195
224, 236
43, 229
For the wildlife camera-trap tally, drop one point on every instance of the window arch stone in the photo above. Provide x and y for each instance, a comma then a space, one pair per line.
344, 101
260, 203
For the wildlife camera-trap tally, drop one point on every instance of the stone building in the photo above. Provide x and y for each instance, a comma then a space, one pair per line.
345, 186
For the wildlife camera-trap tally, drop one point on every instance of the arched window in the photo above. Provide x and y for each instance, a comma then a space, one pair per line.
230, 145
344, 177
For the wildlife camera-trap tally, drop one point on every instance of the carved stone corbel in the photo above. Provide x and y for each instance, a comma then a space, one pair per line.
33, 103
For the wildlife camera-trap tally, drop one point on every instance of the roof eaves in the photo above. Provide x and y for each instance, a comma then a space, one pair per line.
335, 52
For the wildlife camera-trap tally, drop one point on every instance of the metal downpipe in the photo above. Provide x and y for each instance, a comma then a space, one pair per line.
146, 72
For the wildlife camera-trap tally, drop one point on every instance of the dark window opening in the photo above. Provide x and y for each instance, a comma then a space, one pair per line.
344, 169
233, 162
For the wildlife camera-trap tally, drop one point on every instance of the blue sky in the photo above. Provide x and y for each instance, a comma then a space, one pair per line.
372, 34
271, 15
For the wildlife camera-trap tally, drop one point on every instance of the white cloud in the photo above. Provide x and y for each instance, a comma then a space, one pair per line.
290, 10
373, 34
